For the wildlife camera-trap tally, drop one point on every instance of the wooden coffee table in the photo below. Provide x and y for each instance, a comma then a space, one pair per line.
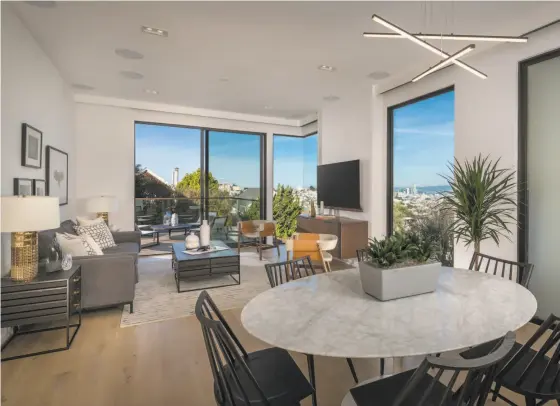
207, 265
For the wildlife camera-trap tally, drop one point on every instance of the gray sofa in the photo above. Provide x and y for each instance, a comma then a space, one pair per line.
109, 279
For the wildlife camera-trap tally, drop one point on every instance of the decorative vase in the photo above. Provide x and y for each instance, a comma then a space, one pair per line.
53, 259
67, 262
313, 212
192, 242
322, 208
204, 234
174, 219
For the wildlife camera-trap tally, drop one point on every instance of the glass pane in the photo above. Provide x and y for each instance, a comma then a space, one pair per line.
295, 175
234, 178
423, 144
167, 175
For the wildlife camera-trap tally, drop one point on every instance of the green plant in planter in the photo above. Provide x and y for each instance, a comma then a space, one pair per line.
400, 248
482, 200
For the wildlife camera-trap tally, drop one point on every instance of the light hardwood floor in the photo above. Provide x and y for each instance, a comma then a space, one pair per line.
161, 363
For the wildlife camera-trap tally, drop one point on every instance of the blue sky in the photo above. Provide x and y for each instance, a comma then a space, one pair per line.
234, 158
423, 141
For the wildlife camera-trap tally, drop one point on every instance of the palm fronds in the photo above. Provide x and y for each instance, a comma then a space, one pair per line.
482, 199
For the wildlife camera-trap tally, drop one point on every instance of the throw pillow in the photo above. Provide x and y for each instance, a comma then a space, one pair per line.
73, 245
86, 221
100, 234
94, 247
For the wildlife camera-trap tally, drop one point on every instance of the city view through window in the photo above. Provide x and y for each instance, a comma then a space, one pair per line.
168, 173
423, 145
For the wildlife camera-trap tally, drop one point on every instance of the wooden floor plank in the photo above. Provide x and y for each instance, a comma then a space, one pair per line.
161, 363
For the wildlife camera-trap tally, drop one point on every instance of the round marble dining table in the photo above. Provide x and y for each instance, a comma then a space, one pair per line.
330, 315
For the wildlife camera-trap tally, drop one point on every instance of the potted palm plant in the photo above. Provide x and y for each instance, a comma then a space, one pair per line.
398, 266
482, 200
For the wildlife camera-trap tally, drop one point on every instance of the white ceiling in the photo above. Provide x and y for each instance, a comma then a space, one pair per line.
268, 51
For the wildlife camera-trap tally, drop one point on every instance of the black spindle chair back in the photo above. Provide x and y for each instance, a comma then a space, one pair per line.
480, 374
282, 272
518, 271
232, 377
362, 254
539, 377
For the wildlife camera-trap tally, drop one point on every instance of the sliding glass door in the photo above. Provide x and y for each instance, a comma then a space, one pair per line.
235, 175
167, 173
420, 145
197, 173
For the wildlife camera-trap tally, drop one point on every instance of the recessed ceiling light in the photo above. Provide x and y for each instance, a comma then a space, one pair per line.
151, 91
267, 107
154, 31
42, 4
128, 53
331, 98
327, 68
131, 74
378, 75
81, 86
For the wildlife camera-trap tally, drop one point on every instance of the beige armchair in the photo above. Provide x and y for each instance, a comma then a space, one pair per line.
256, 231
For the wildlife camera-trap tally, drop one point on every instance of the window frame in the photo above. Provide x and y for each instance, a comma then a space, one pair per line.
390, 148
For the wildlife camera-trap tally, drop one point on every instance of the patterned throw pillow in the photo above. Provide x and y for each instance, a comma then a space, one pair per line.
76, 245
100, 234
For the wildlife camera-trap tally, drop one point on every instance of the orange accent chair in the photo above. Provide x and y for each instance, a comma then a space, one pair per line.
255, 231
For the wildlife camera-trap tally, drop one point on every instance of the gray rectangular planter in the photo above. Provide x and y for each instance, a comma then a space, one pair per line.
388, 284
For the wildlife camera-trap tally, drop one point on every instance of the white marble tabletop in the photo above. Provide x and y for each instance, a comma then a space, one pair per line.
330, 315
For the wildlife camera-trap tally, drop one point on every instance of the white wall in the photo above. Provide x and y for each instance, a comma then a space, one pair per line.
355, 127
32, 92
344, 135
105, 150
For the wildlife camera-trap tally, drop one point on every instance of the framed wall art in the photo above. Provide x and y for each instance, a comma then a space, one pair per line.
39, 187
23, 187
57, 174
31, 146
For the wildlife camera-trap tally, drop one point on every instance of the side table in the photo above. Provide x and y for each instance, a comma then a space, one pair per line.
49, 298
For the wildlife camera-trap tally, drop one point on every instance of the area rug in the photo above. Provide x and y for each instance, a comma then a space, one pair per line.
156, 297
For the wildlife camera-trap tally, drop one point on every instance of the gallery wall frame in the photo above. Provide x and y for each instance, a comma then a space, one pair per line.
57, 174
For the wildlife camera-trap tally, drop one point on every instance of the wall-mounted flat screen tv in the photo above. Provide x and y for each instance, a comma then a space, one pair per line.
338, 185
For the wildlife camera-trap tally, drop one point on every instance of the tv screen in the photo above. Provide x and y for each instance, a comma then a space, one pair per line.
338, 185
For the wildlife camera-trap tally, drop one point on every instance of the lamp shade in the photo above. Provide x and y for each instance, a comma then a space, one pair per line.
29, 213
101, 204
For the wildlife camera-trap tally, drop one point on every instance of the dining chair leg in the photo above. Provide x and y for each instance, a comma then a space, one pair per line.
311, 367
382, 366
496, 392
530, 401
352, 369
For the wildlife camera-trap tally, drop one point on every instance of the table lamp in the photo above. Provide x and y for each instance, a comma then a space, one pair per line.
23, 216
102, 205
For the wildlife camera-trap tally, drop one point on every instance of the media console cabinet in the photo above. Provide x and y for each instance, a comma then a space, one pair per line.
352, 234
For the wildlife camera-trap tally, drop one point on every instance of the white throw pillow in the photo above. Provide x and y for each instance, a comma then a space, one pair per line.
87, 221
100, 234
93, 245
74, 245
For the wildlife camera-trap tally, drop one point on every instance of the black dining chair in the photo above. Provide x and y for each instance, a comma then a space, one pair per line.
282, 272
534, 374
519, 271
267, 377
362, 255
422, 386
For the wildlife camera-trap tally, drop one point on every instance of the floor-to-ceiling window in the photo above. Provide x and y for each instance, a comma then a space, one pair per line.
167, 173
421, 144
294, 172
197, 173
235, 171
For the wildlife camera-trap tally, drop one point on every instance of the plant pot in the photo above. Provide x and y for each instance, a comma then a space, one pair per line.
395, 283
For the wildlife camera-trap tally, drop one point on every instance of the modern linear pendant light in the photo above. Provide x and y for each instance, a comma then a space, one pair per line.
419, 39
